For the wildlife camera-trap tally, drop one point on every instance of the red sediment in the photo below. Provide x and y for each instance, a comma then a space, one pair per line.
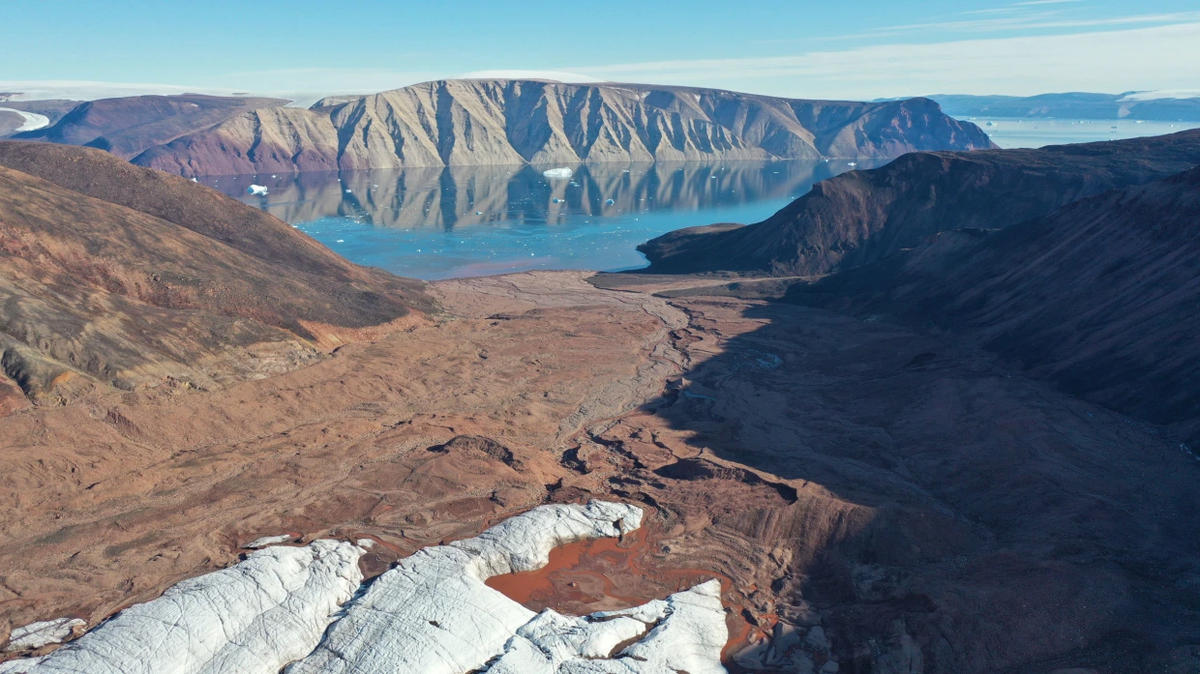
608, 574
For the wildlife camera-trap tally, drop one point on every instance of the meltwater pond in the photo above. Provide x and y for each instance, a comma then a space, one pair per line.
434, 223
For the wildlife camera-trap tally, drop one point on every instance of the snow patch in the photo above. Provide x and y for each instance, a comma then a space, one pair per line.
48, 632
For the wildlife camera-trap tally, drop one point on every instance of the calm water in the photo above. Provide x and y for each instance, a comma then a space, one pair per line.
471, 221
1013, 132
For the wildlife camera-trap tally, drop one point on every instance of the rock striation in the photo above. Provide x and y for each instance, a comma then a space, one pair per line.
484, 122
432, 613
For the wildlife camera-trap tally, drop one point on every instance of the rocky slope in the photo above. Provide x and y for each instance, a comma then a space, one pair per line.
128, 276
131, 125
863, 216
1098, 297
479, 122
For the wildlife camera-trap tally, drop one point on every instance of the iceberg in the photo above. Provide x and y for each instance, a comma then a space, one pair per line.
257, 190
558, 173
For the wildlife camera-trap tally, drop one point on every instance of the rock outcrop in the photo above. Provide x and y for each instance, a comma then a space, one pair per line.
482, 122
863, 216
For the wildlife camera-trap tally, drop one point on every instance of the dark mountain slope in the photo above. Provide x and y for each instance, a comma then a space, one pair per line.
93, 287
1099, 297
863, 216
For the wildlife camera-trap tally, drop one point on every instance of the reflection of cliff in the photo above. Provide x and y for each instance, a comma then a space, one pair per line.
458, 196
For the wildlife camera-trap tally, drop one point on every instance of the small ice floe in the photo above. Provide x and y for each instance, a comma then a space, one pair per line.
558, 173
478, 212
257, 190
267, 540
610, 202
341, 241
44, 633
348, 191
852, 164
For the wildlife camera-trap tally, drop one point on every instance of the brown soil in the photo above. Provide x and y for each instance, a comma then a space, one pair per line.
924, 506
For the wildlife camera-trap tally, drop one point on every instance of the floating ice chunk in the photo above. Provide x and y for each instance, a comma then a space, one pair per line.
558, 173
349, 191
610, 202
433, 613
267, 540
257, 190
47, 632
256, 616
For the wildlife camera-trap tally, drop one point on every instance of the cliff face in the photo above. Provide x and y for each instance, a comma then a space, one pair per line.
481, 122
129, 126
122, 275
1098, 297
863, 216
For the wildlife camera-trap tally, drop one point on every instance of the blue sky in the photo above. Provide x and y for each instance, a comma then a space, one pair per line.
864, 49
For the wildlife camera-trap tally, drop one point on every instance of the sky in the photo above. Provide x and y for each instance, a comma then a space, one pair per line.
861, 49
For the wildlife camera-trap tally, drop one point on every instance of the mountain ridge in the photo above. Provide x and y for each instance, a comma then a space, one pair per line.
474, 122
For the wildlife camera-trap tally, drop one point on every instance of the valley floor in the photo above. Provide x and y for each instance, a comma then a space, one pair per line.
869, 496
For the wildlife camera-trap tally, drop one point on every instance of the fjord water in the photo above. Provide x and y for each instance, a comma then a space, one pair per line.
434, 223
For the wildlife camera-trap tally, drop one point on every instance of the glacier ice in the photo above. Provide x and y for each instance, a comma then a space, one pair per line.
306, 610
42, 633
255, 616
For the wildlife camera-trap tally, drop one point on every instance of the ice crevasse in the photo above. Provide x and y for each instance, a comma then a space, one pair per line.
304, 610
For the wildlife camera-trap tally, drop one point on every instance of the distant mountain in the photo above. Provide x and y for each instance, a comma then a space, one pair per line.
129, 126
1074, 106
1098, 297
861, 217
117, 274
482, 122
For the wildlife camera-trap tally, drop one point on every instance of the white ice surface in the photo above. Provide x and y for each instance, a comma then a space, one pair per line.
558, 173
36, 635
257, 190
33, 121
433, 613
256, 616
684, 633
266, 541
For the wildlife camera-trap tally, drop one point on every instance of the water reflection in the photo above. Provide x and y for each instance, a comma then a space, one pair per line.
466, 196
467, 221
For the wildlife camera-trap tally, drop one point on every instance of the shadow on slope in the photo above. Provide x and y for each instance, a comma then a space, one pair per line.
1010, 528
